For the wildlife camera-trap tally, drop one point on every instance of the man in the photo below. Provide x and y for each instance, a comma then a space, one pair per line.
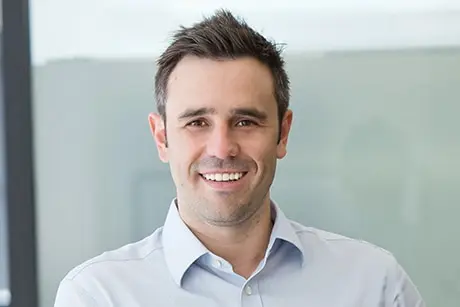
223, 95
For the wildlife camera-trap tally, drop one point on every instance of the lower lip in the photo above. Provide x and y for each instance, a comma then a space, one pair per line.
225, 185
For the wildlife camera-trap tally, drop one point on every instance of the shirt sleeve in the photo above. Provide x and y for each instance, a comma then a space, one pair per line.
400, 290
71, 294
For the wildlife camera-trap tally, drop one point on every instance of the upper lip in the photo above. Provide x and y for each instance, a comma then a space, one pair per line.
221, 171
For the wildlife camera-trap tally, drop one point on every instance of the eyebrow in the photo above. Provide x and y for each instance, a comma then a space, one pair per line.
189, 113
251, 112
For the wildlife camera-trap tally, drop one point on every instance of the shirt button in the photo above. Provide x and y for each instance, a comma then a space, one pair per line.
218, 263
248, 290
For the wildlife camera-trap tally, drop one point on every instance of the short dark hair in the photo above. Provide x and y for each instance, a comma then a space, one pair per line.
222, 36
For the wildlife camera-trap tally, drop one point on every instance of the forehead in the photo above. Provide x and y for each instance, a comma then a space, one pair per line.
220, 84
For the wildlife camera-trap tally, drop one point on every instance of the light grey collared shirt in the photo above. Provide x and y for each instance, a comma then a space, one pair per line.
303, 266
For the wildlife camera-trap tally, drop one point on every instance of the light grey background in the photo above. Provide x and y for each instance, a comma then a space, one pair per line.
373, 154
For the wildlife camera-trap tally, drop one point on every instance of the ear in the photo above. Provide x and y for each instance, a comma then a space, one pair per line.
286, 123
158, 129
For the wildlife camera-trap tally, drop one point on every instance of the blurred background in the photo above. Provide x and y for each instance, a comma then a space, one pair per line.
374, 151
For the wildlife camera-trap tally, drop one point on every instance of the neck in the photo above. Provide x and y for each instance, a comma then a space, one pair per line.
244, 245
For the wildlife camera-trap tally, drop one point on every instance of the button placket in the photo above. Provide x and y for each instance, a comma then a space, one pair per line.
248, 290
250, 295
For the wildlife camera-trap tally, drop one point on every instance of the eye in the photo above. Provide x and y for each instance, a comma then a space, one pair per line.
197, 123
245, 123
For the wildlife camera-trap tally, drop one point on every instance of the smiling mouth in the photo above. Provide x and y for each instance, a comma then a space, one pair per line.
223, 177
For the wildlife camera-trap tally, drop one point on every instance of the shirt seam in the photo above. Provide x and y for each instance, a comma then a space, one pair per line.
91, 263
344, 239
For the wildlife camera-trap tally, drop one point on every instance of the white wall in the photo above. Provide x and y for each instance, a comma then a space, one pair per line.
122, 28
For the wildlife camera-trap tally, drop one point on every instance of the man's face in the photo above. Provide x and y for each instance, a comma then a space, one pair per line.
222, 130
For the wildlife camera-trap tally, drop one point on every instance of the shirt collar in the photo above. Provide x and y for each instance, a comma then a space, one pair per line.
182, 248
283, 230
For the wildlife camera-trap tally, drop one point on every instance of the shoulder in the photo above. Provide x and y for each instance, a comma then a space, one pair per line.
348, 250
126, 257
355, 258
113, 272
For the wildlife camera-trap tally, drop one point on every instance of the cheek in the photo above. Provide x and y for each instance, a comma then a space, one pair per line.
259, 147
183, 152
179, 142
263, 153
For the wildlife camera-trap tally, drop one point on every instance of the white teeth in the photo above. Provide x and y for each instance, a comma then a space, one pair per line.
223, 176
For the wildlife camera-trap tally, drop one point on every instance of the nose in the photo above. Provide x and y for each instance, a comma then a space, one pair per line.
221, 143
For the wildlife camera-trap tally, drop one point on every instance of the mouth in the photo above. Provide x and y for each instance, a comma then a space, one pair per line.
223, 177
